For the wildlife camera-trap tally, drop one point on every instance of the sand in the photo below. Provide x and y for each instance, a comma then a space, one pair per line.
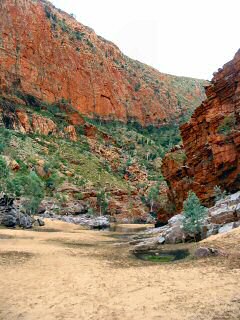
63, 272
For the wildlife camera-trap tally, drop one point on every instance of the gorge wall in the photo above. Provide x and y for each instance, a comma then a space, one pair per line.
210, 154
46, 53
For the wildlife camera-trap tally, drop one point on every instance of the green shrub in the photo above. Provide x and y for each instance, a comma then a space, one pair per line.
137, 86
227, 125
193, 214
178, 156
79, 35
102, 201
219, 194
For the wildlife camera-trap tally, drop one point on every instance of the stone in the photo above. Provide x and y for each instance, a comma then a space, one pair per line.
210, 154
175, 234
24, 221
40, 222
71, 132
175, 220
161, 240
9, 221
226, 227
226, 210
202, 252
146, 246
11, 215
213, 229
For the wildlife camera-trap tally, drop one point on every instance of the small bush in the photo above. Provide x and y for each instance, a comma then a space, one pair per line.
227, 125
219, 194
137, 86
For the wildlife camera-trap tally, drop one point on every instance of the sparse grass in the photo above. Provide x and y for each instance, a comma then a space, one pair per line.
227, 125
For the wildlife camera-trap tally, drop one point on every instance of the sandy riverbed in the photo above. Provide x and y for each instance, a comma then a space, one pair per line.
63, 273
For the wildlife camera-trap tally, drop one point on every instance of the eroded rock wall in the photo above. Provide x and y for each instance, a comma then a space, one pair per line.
46, 53
211, 142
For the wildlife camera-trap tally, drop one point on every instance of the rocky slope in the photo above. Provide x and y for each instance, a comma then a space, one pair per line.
210, 155
47, 54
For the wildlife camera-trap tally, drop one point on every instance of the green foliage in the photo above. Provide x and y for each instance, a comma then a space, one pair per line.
89, 43
5, 181
153, 196
30, 186
219, 194
61, 197
102, 201
193, 214
178, 156
91, 211
227, 125
5, 137
137, 86
53, 181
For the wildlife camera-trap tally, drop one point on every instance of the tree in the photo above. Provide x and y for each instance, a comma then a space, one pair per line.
29, 186
34, 191
153, 196
102, 201
193, 214
5, 182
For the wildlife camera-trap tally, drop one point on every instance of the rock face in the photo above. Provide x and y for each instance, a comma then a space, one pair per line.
211, 142
47, 54
227, 210
11, 216
26, 122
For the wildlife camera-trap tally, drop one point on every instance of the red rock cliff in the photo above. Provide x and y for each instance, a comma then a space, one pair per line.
46, 53
211, 142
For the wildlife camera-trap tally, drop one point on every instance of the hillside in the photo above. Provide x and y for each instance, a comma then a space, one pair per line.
47, 54
85, 124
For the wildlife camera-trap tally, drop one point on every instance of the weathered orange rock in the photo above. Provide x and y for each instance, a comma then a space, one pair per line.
46, 53
30, 122
71, 132
211, 142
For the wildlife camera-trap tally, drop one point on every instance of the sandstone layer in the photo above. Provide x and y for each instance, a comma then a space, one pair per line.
46, 53
210, 155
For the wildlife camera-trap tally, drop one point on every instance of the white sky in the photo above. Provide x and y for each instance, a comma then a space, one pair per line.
182, 37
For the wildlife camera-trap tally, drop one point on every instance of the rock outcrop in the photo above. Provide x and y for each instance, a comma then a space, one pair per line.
25, 121
47, 54
222, 218
210, 154
11, 215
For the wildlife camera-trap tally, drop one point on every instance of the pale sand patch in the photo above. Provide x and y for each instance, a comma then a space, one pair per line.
79, 274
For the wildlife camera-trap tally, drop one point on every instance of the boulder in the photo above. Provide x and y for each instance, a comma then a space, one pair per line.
161, 240
175, 234
9, 221
74, 207
175, 220
226, 227
226, 210
39, 222
11, 215
202, 252
146, 246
